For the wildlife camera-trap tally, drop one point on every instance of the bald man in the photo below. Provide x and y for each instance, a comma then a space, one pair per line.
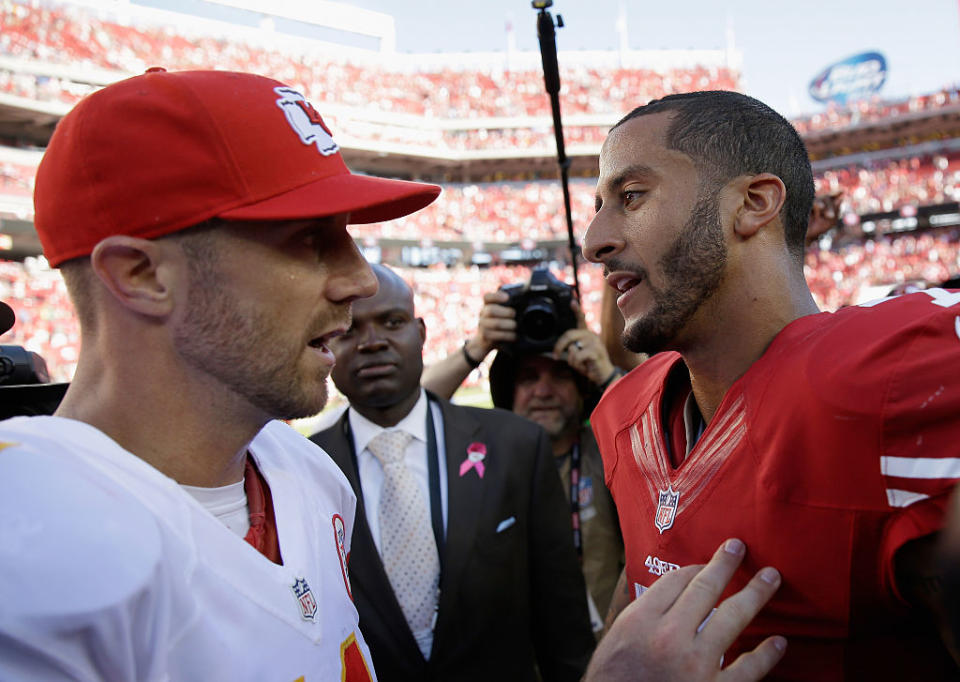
502, 593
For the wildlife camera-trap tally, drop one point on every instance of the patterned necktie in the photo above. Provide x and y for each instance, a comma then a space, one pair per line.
407, 545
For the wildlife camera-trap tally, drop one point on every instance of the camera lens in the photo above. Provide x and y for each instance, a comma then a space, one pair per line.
539, 321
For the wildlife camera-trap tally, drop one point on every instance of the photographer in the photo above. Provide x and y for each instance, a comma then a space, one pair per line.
551, 369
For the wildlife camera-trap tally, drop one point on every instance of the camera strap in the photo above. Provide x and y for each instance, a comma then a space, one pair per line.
575, 499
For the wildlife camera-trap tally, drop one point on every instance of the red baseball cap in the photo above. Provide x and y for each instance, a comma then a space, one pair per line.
164, 151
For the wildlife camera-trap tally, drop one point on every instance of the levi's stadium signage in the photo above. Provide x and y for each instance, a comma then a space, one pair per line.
853, 78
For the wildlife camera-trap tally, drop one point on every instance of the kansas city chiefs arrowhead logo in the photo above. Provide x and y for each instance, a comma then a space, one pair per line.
306, 121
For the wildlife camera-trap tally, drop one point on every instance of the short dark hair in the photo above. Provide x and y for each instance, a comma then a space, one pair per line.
729, 134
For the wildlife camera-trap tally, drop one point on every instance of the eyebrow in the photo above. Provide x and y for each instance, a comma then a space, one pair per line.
624, 175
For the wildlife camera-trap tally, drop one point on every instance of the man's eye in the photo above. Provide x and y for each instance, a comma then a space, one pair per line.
631, 195
315, 242
394, 322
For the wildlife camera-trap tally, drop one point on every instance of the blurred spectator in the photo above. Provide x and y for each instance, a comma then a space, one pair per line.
556, 388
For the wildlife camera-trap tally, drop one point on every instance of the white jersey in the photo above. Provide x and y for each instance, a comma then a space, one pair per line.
110, 571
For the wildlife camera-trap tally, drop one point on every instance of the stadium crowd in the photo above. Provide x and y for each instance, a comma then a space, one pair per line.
505, 212
875, 109
889, 185
75, 36
450, 299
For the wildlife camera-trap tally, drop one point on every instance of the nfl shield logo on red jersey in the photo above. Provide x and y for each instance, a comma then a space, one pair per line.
308, 605
666, 509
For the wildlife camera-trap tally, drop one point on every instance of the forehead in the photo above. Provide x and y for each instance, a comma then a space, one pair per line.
639, 148
538, 364
392, 294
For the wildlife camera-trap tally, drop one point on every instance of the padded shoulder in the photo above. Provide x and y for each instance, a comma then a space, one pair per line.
73, 540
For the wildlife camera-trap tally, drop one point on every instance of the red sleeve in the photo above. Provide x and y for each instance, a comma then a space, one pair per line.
920, 447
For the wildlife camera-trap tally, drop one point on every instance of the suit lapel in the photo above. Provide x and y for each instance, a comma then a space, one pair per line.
367, 574
464, 495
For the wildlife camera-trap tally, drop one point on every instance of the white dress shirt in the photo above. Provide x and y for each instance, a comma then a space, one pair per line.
371, 472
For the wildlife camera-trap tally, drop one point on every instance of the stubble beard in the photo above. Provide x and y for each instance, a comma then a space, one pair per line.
235, 348
693, 267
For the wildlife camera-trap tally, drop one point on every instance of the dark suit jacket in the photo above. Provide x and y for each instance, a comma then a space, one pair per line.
509, 600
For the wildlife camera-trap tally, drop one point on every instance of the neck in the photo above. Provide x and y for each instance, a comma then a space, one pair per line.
166, 416
563, 443
736, 335
388, 415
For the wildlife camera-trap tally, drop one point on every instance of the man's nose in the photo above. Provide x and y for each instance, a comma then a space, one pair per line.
351, 277
602, 238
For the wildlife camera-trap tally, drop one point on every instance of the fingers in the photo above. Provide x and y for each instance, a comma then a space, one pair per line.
497, 323
698, 600
496, 297
570, 341
663, 594
736, 612
578, 314
754, 665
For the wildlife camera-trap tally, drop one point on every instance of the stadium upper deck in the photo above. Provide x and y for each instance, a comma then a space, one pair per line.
488, 120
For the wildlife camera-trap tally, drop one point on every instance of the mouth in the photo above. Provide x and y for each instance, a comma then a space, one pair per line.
544, 409
321, 344
375, 370
624, 283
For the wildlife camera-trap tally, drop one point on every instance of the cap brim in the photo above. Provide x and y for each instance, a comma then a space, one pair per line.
366, 198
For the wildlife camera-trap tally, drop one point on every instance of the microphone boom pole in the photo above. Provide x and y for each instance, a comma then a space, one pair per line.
547, 36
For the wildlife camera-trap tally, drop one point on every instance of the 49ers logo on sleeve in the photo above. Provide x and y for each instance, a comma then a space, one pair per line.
306, 121
340, 538
666, 509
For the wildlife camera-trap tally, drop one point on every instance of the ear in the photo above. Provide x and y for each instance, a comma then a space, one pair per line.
134, 270
763, 196
422, 326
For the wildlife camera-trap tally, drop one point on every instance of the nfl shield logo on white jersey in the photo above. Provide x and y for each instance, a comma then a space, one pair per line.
308, 605
666, 509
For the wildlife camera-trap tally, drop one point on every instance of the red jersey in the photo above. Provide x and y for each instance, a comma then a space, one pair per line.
835, 448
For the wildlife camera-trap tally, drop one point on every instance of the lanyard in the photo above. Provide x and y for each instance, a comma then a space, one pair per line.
575, 499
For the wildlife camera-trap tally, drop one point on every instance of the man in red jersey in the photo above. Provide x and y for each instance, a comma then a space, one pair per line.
827, 442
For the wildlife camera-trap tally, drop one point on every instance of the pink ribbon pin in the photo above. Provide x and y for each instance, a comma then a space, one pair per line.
475, 454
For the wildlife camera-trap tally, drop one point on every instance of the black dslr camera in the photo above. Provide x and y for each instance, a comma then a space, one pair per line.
543, 311
24, 379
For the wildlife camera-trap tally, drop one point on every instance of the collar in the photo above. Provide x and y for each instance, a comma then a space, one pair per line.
692, 421
415, 423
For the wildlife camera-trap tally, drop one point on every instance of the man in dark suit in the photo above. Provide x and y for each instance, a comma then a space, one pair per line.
462, 566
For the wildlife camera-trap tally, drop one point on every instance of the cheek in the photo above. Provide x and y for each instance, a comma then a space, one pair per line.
521, 396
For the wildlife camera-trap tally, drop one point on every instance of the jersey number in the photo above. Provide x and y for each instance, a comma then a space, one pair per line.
354, 666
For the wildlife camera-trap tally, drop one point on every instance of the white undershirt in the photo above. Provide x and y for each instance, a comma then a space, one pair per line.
229, 504
371, 471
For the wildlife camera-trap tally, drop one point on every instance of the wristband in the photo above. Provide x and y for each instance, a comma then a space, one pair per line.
614, 375
466, 356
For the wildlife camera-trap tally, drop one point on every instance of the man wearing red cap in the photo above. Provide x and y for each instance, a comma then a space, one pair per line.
163, 525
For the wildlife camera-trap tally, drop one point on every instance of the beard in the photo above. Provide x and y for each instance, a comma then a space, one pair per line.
693, 268
562, 420
238, 347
